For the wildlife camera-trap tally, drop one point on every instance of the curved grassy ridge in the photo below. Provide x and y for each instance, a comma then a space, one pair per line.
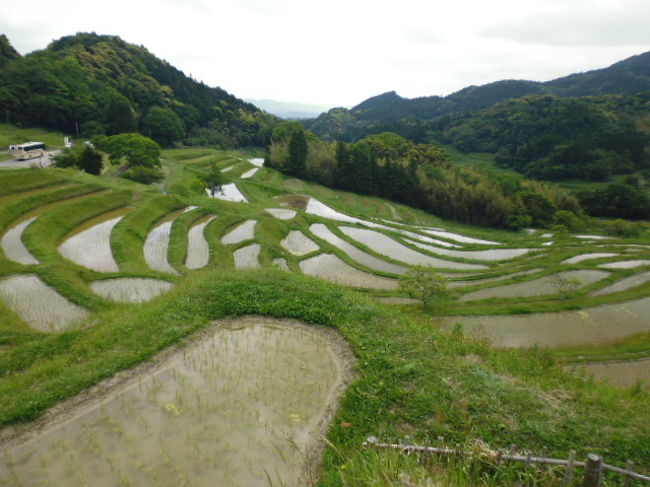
20, 206
130, 233
17, 180
413, 379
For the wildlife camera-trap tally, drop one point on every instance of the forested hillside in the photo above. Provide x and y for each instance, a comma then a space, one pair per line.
91, 84
421, 176
389, 111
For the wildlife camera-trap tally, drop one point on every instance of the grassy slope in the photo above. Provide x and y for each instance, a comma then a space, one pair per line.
414, 379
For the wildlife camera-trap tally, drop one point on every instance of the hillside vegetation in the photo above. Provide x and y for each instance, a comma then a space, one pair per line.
91, 84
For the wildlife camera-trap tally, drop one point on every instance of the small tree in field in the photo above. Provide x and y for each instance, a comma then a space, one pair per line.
213, 180
425, 284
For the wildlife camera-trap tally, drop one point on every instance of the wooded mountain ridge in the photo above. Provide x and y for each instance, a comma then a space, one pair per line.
377, 113
91, 84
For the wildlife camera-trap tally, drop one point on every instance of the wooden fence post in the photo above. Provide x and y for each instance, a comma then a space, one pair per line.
593, 471
568, 476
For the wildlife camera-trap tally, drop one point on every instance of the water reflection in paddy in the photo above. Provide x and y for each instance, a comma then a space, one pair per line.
331, 268
130, 289
245, 406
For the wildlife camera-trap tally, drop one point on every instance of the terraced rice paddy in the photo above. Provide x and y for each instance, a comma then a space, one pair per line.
625, 264
591, 326
229, 192
333, 269
552, 284
198, 249
40, 306
298, 244
250, 173
248, 257
130, 289
384, 245
229, 410
281, 213
582, 257
156, 246
624, 284
491, 254
356, 254
90, 245
13, 246
244, 231
624, 375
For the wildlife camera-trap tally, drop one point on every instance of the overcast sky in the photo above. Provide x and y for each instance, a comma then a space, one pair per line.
340, 52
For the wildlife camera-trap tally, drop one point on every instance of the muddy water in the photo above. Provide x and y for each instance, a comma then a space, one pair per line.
281, 213
90, 244
250, 173
582, 257
229, 192
130, 289
40, 306
589, 326
624, 284
385, 245
245, 406
619, 374
360, 256
626, 264
198, 250
245, 231
537, 287
491, 254
331, 268
13, 246
247, 257
296, 243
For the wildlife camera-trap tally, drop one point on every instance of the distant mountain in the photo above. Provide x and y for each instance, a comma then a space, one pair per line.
289, 110
98, 84
381, 112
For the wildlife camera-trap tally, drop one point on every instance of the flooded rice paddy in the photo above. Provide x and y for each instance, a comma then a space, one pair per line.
626, 264
244, 231
90, 244
156, 246
198, 250
250, 173
320, 230
248, 257
538, 287
590, 326
464, 283
13, 246
257, 161
246, 406
229, 192
281, 264
620, 374
582, 257
281, 213
298, 244
624, 284
491, 254
130, 289
385, 245
333, 269
460, 238
36, 303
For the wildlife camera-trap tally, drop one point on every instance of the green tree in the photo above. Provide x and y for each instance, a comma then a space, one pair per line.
163, 126
119, 115
83, 157
131, 149
425, 284
213, 180
297, 153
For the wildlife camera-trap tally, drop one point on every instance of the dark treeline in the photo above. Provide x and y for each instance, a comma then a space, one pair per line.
91, 85
419, 175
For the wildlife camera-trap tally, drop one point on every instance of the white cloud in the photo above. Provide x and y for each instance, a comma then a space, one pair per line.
341, 52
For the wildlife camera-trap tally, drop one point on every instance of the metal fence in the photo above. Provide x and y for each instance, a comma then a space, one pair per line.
594, 465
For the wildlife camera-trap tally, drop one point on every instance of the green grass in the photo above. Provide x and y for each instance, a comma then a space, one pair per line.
414, 380
10, 134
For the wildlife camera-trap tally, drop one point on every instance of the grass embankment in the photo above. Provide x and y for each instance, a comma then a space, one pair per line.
414, 379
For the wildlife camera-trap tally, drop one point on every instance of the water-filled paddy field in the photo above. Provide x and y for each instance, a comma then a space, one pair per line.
245, 405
